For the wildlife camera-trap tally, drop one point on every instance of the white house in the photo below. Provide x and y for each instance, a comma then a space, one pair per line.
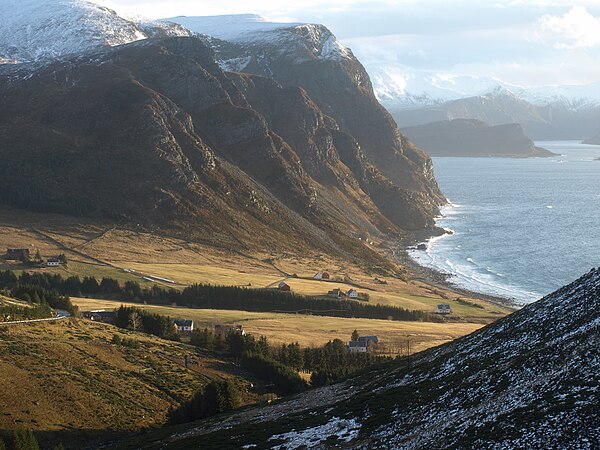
443, 309
357, 347
52, 262
364, 344
352, 293
184, 326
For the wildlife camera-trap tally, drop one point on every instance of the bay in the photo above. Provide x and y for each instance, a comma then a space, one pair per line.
521, 227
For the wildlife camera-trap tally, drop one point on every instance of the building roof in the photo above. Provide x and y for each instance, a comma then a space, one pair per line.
366, 339
183, 322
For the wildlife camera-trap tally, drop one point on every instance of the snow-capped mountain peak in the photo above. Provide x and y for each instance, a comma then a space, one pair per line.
313, 40
32, 30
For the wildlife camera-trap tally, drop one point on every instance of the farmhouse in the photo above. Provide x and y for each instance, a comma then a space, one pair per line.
352, 293
322, 276
283, 286
443, 309
364, 344
100, 316
183, 325
357, 347
52, 262
16, 254
336, 293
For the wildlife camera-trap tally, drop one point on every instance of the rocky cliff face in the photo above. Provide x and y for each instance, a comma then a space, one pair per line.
464, 137
156, 133
528, 381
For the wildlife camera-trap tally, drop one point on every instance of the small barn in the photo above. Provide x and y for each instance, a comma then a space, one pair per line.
17, 254
100, 316
283, 286
364, 344
336, 293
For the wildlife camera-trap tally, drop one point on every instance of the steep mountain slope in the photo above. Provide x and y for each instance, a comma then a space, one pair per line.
31, 30
157, 134
310, 57
528, 381
464, 137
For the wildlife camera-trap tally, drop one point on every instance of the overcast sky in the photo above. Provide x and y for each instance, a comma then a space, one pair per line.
522, 42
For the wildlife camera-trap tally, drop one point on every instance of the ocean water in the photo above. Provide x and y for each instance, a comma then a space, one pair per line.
521, 227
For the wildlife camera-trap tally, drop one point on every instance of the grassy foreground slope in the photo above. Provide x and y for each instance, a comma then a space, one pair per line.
69, 376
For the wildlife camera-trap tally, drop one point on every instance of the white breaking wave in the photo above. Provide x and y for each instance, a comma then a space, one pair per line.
467, 275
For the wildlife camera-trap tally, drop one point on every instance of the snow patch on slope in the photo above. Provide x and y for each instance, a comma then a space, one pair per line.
344, 430
228, 27
305, 39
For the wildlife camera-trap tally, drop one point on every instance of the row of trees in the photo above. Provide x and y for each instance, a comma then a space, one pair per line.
214, 297
271, 300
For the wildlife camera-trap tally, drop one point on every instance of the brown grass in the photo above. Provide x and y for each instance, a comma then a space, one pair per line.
308, 330
68, 375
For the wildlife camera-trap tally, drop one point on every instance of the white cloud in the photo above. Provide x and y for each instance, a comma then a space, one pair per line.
575, 29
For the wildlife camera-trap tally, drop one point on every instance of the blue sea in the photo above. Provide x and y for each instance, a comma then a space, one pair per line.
521, 227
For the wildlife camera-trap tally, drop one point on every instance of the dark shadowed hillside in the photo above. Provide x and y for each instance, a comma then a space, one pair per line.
156, 133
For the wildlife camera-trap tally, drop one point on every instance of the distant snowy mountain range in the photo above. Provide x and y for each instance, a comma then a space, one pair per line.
399, 87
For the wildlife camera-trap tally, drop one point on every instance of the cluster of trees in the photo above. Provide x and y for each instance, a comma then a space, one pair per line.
39, 295
215, 398
139, 320
21, 440
10, 313
36, 288
285, 379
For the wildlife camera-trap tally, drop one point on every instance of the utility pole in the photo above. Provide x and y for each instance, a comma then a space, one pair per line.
408, 358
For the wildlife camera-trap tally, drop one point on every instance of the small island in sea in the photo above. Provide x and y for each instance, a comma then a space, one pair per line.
474, 138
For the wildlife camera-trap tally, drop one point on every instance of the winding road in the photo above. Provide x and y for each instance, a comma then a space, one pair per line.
60, 314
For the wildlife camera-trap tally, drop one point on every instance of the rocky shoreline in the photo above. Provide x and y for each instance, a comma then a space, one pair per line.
436, 278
